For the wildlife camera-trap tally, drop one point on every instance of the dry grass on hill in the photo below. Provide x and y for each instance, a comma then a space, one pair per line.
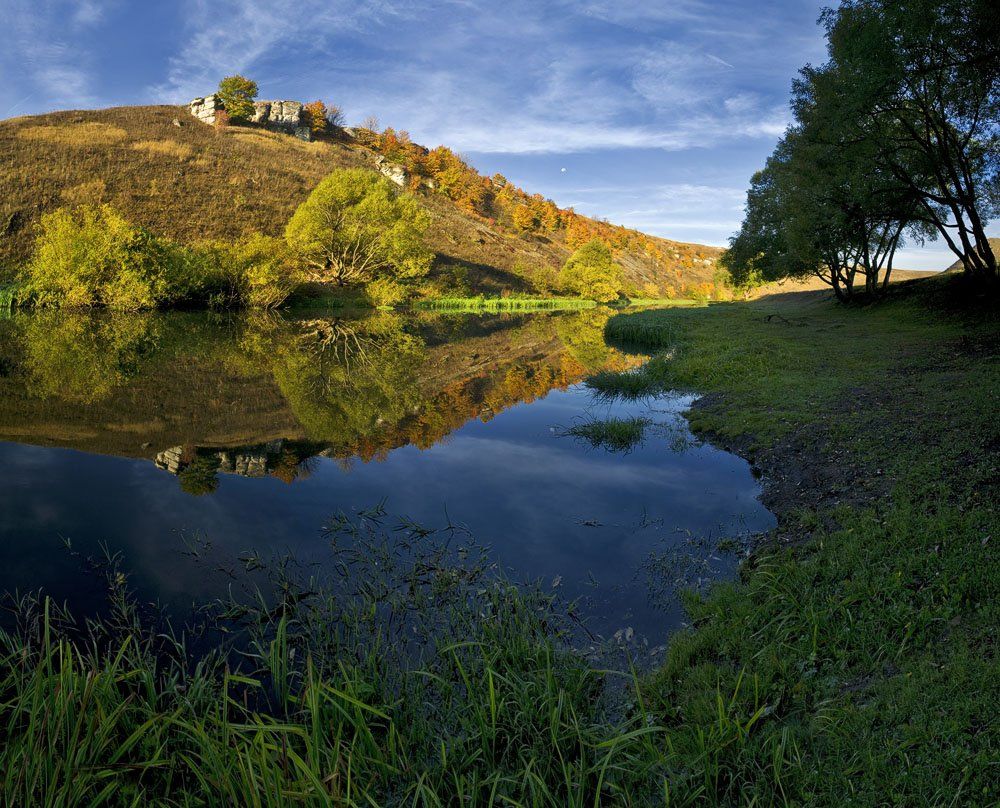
194, 182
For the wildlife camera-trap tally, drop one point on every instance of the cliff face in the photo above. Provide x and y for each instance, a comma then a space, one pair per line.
283, 116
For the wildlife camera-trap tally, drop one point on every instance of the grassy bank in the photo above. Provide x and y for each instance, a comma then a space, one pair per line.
317, 697
854, 663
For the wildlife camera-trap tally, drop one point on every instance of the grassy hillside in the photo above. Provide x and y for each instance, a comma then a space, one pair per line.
194, 182
994, 243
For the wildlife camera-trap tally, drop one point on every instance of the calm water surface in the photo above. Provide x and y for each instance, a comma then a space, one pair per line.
174, 436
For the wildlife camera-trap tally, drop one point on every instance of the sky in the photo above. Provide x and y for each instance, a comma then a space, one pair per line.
649, 114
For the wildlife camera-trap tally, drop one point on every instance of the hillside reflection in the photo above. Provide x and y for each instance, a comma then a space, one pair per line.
255, 395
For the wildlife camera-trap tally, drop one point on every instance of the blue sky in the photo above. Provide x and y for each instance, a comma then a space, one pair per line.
648, 114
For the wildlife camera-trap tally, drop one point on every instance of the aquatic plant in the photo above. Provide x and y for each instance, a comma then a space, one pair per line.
628, 385
613, 434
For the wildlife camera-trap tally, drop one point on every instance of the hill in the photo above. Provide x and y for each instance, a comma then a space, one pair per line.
191, 182
957, 266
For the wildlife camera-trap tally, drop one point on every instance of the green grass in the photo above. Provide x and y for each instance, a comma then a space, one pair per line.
468, 693
859, 666
663, 301
613, 434
498, 304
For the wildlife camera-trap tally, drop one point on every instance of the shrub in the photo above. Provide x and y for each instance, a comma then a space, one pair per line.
591, 273
237, 94
355, 226
385, 292
91, 256
257, 272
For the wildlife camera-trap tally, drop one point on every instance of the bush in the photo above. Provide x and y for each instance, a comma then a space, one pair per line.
385, 292
91, 256
257, 272
591, 273
86, 257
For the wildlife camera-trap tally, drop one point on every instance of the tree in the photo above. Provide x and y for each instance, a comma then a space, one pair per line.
237, 94
316, 117
591, 273
924, 76
335, 116
524, 219
823, 204
355, 226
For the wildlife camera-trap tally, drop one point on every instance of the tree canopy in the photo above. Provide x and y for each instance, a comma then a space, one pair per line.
897, 135
356, 227
237, 94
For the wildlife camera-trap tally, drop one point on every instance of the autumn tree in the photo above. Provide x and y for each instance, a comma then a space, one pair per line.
592, 273
316, 117
237, 94
524, 219
356, 227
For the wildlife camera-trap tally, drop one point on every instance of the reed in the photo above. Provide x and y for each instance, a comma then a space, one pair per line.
504, 304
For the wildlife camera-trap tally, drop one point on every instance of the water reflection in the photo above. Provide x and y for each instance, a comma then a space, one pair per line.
250, 431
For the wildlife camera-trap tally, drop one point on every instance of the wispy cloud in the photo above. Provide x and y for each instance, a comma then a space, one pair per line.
41, 57
517, 79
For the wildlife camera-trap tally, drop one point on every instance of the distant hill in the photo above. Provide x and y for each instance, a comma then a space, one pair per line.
957, 266
191, 182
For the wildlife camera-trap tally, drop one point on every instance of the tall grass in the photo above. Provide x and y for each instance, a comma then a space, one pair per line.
501, 304
434, 682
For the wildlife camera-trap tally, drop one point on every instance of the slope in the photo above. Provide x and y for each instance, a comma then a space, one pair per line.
191, 182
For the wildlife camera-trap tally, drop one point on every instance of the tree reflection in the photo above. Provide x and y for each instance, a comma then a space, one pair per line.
347, 379
260, 393
82, 358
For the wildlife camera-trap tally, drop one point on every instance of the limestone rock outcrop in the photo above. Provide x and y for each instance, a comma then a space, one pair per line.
170, 459
204, 109
279, 114
286, 116
393, 171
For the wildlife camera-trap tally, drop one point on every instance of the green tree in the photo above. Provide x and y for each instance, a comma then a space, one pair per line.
591, 272
355, 227
237, 94
924, 79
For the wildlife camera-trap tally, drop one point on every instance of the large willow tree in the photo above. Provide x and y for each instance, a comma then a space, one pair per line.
356, 227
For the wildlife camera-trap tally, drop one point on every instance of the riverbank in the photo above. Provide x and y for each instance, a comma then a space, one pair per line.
855, 662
